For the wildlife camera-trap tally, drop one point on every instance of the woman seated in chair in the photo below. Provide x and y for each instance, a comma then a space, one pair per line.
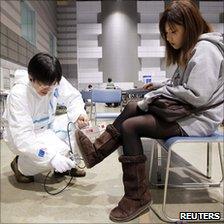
198, 80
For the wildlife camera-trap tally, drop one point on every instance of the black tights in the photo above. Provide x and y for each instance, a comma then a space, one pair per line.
133, 124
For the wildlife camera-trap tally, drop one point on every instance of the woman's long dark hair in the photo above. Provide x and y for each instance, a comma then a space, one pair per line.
186, 14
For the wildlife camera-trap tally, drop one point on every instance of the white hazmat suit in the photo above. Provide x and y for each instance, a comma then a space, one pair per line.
31, 129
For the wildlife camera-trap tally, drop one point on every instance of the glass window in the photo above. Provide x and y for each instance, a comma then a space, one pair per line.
28, 23
52, 45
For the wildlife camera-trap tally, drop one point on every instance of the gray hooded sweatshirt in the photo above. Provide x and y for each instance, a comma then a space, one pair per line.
200, 84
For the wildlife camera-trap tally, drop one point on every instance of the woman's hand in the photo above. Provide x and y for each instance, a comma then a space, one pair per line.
82, 121
149, 86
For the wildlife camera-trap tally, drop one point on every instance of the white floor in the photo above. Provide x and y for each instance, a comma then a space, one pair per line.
90, 199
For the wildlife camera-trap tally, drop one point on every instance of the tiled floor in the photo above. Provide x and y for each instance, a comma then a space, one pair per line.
90, 199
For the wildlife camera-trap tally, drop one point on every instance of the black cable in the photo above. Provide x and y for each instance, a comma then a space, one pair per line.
69, 140
71, 154
58, 192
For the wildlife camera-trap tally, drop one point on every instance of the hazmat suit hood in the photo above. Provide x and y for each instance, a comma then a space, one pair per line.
21, 77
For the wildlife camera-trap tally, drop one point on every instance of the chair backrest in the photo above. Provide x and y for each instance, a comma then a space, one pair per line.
106, 95
86, 95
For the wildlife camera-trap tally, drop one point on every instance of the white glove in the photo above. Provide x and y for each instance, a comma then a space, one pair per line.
62, 164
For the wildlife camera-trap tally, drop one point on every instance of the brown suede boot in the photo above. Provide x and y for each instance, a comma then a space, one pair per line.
93, 153
137, 196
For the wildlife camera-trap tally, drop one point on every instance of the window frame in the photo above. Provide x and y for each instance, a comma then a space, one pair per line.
34, 29
53, 51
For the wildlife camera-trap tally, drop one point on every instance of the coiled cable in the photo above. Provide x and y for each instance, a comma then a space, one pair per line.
72, 157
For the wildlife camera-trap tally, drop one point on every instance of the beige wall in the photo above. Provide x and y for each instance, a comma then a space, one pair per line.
46, 21
10, 15
15, 50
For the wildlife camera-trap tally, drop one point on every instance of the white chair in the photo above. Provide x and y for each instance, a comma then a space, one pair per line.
106, 96
167, 145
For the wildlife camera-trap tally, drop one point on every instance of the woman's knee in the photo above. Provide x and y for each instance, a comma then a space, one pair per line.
132, 105
128, 126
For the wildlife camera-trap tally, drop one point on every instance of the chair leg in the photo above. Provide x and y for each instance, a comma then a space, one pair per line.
165, 188
151, 159
221, 161
95, 114
158, 150
209, 161
169, 219
91, 111
159, 165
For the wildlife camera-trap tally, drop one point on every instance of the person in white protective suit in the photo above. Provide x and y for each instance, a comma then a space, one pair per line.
33, 133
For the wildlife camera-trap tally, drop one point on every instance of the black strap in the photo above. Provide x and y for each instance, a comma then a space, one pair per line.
200, 109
